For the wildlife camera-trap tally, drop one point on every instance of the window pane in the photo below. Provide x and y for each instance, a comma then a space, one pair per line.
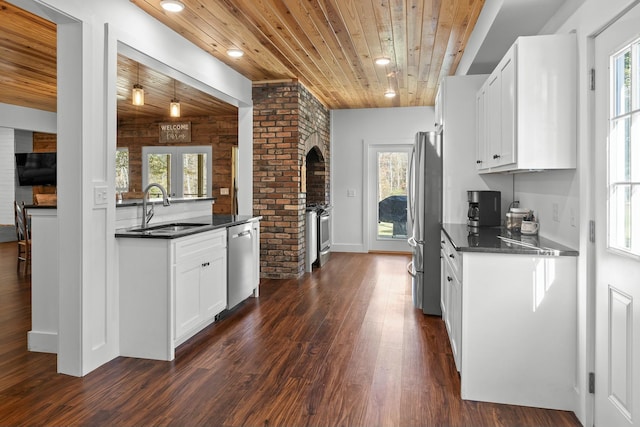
634, 149
622, 83
619, 150
194, 175
620, 217
159, 173
635, 73
122, 170
392, 195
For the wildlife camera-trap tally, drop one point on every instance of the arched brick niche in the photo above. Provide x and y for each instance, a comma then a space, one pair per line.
317, 174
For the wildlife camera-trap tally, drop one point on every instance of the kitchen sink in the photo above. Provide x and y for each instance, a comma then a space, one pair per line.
168, 228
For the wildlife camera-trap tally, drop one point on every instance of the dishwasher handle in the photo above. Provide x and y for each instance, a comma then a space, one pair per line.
241, 234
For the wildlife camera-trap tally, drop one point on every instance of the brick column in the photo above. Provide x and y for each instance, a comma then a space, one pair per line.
276, 179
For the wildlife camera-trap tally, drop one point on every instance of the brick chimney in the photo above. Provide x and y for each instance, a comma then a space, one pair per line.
288, 123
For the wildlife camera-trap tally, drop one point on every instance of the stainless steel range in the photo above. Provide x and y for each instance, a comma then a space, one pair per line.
324, 234
318, 235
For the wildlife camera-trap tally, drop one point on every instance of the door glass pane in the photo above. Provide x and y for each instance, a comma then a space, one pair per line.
392, 195
159, 173
622, 83
624, 152
194, 174
619, 150
635, 76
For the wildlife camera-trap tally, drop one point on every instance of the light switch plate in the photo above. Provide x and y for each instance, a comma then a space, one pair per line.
100, 195
351, 192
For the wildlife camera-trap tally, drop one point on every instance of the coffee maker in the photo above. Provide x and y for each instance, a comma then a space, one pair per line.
484, 209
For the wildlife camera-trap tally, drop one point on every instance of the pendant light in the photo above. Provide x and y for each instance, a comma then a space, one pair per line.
137, 93
174, 107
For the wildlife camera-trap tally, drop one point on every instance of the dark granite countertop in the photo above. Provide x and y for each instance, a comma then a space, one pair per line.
499, 240
136, 202
204, 223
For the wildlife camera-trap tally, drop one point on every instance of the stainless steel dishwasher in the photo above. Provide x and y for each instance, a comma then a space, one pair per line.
240, 262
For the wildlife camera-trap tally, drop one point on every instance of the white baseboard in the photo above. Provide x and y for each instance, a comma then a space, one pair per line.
42, 342
347, 247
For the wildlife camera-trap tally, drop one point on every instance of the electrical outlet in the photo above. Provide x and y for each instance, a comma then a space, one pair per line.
224, 191
572, 217
351, 192
556, 216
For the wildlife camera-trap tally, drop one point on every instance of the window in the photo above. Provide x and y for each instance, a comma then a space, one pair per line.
122, 170
624, 151
182, 171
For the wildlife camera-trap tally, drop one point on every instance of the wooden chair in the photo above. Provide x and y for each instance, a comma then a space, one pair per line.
24, 235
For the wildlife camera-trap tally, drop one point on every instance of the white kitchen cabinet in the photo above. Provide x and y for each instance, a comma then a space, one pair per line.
200, 282
438, 106
531, 107
482, 156
457, 101
519, 329
169, 290
452, 297
511, 321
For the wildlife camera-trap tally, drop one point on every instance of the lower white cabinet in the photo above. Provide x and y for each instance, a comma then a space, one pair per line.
451, 290
170, 289
519, 329
200, 271
512, 325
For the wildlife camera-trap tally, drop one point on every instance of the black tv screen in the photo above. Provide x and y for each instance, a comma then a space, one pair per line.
36, 168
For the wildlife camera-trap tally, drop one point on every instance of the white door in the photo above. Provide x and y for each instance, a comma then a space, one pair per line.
617, 215
386, 206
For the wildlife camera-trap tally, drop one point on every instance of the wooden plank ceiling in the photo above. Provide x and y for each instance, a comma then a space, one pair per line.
328, 45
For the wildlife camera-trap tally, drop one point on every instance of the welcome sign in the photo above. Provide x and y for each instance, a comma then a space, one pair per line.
175, 132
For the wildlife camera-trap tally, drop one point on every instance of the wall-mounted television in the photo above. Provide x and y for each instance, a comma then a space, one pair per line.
36, 168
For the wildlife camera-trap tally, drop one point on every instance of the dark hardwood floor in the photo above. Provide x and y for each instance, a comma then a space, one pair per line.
341, 347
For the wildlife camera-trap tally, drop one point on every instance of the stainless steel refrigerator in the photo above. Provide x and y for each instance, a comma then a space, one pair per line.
425, 210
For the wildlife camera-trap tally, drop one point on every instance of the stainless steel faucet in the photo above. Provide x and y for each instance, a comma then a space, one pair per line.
147, 215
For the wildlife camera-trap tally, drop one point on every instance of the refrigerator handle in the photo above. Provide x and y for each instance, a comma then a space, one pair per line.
411, 178
410, 269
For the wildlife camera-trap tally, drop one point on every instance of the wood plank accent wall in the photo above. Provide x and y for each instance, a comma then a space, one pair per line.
283, 115
220, 132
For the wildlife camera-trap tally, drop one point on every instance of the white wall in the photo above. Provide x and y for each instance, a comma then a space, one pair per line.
7, 176
349, 130
541, 192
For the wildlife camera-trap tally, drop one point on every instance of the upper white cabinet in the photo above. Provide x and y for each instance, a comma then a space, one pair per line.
482, 156
526, 109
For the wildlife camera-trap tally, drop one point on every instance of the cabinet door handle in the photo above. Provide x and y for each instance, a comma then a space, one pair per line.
452, 256
496, 156
478, 162
449, 278
205, 264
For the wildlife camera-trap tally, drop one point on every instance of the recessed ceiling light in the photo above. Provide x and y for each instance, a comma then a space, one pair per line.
390, 93
383, 60
172, 5
235, 53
